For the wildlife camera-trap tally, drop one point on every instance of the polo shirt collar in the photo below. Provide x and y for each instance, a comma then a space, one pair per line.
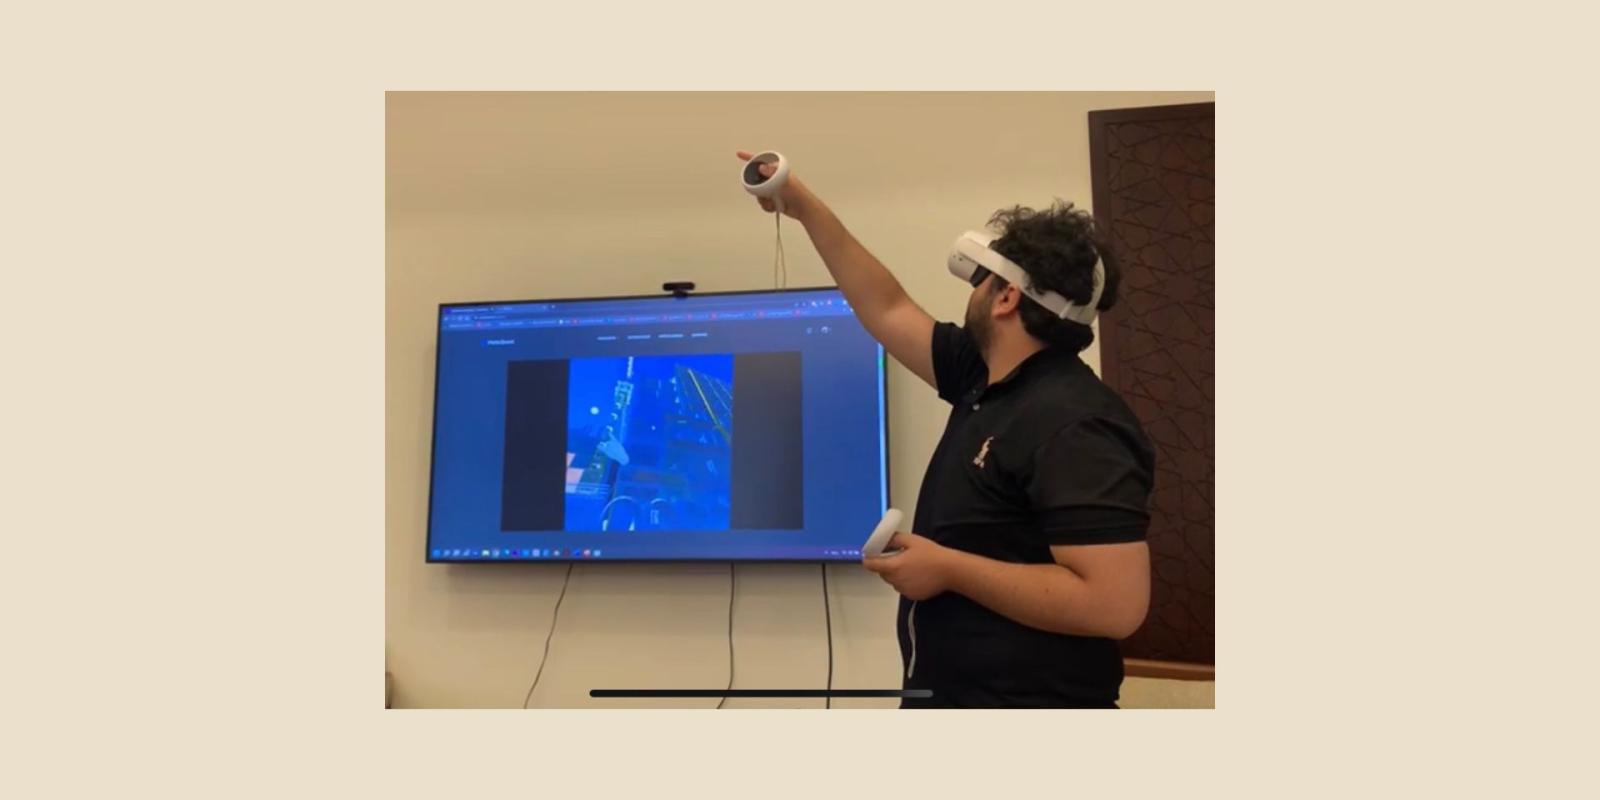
1041, 361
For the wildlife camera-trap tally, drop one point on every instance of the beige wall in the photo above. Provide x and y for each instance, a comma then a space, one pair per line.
515, 196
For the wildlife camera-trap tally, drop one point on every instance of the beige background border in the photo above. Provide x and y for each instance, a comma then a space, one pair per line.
193, 431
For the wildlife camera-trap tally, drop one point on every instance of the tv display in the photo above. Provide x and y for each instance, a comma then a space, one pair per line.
735, 426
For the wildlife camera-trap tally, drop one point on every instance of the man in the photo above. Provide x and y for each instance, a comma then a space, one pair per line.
1027, 562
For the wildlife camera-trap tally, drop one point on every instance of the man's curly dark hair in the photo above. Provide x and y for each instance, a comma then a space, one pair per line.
1057, 247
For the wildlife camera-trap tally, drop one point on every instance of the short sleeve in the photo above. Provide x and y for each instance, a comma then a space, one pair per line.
1090, 483
957, 364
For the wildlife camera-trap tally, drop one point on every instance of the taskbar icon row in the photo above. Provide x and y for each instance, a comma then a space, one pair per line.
511, 554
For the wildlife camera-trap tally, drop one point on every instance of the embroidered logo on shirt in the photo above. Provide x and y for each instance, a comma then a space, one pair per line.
983, 452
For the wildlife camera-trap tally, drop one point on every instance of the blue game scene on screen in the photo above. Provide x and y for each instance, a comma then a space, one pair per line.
650, 443
743, 426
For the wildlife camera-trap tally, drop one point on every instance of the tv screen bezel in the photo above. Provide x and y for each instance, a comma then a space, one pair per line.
433, 441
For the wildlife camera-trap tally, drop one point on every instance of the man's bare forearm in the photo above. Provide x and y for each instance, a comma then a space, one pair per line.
865, 281
878, 300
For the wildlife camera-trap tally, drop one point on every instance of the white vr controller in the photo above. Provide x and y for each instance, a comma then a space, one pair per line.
882, 534
762, 185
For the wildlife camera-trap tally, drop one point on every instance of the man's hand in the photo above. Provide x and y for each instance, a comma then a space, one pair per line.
919, 571
797, 199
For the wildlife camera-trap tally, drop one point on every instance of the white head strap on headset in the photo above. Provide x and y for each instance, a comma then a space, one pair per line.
972, 251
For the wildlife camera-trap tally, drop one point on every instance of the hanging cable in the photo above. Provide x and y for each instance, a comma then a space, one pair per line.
780, 263
554, 615
731, 586
827, 611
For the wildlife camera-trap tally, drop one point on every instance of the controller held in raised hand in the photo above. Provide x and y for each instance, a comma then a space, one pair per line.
766, 186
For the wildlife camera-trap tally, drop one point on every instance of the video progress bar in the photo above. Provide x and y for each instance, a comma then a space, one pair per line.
917, 693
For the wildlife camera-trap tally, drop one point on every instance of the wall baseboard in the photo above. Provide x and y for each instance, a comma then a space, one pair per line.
1173, 670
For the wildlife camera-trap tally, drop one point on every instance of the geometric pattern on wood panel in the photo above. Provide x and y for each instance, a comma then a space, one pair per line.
1154, 196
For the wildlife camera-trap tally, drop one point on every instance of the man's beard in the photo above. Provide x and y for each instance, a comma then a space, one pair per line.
978, 322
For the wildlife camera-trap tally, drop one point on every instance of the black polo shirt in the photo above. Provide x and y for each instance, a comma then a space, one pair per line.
1046, 456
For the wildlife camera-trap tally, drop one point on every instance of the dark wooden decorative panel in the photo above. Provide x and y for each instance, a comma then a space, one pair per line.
1154, 197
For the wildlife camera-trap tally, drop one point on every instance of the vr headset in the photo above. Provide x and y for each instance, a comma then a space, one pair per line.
971, 260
